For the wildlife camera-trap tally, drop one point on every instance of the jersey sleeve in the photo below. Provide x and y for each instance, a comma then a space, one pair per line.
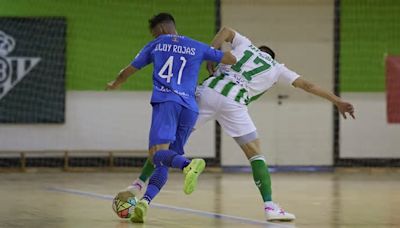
212, 54
287, 76
143, 58
239, 43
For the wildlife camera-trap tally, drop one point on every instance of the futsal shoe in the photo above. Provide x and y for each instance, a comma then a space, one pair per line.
192, 172
273, 212
139, 214
133, 190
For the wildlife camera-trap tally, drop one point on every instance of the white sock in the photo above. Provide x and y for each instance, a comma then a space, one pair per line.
137, 184
136, 187
269, 204
138, 181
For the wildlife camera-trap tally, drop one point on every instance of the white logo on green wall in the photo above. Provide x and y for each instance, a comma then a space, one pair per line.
12, 69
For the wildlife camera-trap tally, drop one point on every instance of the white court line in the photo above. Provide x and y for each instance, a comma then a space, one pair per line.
181, 209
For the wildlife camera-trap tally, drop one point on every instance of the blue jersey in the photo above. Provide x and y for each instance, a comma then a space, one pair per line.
176, 61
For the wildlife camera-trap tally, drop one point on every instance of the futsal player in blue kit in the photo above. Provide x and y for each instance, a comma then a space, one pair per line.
176, 61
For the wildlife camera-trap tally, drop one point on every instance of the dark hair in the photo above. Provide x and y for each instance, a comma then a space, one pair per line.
267, 50
160, 18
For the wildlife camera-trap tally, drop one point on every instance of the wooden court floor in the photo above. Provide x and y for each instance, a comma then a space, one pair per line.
67, 199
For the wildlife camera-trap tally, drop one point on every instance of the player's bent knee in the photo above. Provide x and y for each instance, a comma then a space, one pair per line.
244, 139
163, 158
158, 158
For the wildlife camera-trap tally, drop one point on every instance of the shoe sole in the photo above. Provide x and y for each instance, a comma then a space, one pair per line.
191, 177
280, 219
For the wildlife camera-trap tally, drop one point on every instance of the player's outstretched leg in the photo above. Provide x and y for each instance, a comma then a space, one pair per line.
262, 180
192, 172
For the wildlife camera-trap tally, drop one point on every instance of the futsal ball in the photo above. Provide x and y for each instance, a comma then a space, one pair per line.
124, 208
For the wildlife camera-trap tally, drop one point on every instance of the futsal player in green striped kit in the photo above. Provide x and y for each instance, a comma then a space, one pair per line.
224, 97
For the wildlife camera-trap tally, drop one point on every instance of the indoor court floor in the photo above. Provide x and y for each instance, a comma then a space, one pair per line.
346, 198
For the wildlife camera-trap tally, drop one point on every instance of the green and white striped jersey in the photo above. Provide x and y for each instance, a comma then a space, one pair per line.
253, 74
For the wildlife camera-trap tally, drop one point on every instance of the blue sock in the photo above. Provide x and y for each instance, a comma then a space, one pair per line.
179, 162
156, 182
170, 158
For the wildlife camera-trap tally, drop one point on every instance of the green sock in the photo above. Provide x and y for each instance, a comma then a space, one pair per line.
147, 170
262, 179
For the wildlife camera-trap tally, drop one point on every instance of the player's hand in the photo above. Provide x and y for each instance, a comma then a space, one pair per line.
111, 86
345, 107
210, 67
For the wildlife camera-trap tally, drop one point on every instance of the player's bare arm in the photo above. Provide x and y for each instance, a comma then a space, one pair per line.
224, 35
228, 58
121, 78
343, 106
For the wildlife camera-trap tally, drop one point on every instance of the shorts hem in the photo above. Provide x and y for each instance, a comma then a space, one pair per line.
158, 142
241, 134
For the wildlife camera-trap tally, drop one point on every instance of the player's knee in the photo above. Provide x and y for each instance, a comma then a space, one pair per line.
159, 157
244, 139
163, 158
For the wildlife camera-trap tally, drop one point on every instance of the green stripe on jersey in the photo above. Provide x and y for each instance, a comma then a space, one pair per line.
253, 98
240, 95
215, 81
227, 88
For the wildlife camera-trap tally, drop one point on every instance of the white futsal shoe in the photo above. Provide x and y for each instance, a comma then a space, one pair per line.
136, 189
273, 212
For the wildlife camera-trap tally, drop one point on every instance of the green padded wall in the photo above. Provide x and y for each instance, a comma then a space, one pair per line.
369, 30
103, 35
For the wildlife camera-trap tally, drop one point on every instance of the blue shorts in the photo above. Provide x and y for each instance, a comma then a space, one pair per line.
171, 123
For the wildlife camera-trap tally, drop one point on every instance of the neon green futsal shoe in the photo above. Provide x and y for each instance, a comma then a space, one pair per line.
139, 214
192, 172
